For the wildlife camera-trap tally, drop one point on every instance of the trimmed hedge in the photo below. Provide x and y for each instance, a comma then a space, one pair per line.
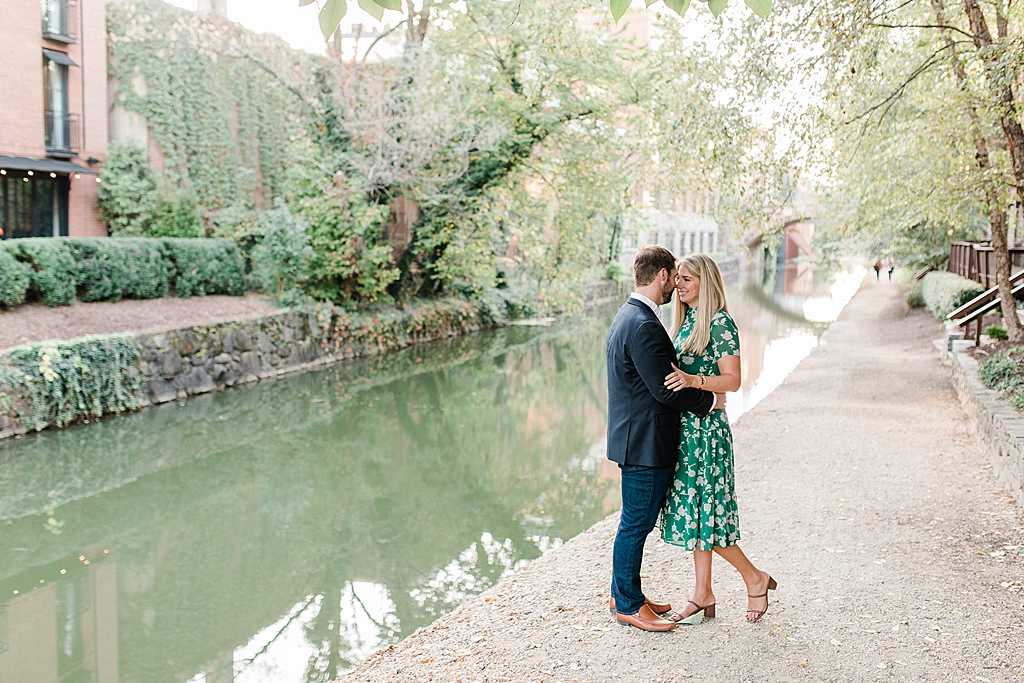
111, 269
206, 266
945, 292
59, 270
14, 278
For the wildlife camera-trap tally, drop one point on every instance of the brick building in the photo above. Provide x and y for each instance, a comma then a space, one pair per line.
53, 117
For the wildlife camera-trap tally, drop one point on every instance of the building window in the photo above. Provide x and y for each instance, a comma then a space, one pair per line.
59, 20
61, 127
33, 205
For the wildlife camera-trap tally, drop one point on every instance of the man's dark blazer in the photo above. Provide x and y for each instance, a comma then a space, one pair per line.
643, 414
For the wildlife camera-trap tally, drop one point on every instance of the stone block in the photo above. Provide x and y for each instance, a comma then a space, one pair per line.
198, 360
223, 358
160, 390
242, 339
219, 372
170, 363
227, 341
289, 333
264, 344
251, 362
188, 342
199, 382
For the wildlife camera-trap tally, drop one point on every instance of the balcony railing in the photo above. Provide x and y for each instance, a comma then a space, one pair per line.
62, 134
60, 20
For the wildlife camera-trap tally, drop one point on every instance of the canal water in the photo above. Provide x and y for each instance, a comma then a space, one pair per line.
284, 532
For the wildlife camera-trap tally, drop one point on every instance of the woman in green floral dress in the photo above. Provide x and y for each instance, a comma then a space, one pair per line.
700, 511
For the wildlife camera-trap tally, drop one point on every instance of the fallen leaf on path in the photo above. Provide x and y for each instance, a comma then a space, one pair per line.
836, 643
426, 660
802, 662
683, 673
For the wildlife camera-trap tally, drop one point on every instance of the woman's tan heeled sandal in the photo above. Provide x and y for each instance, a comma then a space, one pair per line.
757, 615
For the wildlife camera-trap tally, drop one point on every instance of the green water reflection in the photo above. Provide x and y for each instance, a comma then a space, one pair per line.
287, 530
349, 506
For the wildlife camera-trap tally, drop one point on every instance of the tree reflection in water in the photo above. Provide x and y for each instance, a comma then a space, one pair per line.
286, 531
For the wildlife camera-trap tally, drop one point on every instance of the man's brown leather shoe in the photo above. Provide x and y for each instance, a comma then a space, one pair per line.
656, 607
646, 620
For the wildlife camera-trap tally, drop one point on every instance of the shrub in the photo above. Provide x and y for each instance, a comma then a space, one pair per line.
15, 277
914, 297
127, 195
347, 265
58, 381
110, 269
54, 273
944, 292
997, 333
282, 258
176, 216
206, 266
1004, 372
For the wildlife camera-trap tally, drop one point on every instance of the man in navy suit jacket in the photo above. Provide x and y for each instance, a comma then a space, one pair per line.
643, 427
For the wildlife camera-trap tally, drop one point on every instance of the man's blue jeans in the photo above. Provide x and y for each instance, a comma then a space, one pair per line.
643, 494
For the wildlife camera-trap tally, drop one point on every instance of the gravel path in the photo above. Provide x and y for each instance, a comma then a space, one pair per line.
37, 322
861, 490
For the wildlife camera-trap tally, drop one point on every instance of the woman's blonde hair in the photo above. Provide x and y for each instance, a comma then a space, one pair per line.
710, 300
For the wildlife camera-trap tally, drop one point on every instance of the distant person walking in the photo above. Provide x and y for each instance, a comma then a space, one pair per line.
700, 513
891, 268
878, 269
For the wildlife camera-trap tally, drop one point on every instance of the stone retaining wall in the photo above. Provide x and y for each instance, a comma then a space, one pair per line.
999, 426
188, 361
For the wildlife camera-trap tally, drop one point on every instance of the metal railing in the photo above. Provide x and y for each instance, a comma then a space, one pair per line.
60, 20
62, 133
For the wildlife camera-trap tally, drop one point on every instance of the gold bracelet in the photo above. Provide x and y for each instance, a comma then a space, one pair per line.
702, 380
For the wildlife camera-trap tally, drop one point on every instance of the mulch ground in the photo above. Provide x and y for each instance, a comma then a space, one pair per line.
36, 322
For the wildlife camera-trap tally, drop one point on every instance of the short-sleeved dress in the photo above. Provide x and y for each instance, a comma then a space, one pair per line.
700, 509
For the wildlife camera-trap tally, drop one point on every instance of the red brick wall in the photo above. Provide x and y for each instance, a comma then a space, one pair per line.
21, 95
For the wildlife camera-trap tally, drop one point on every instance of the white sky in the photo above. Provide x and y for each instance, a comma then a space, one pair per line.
297, 25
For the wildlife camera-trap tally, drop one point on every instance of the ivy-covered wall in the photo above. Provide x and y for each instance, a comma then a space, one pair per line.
56, 383
220, 103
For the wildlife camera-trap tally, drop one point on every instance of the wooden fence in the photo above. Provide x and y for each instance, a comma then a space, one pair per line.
976, 261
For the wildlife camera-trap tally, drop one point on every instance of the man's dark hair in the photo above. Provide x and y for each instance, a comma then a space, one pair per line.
649, 261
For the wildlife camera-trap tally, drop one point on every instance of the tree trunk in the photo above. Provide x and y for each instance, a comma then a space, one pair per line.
996, 216
1002, 93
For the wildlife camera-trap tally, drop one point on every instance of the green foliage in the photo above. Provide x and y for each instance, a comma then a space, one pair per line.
226, 106
127, 194
110, 269
15, 276
914, 296
1004, 372
206, 266
347, 265
996, 333
281, 261
333, 11
56, 382
944, 292
54, 276
176, 216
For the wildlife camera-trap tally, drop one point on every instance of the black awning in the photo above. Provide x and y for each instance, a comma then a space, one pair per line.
42, 165
59, 57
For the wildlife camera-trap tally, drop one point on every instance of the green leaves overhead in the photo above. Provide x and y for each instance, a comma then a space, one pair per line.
331, 14
678, 6
619, 8
372, 8
333, 11
762, 8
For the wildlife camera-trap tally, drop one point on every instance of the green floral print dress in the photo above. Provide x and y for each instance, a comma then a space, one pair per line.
700, 509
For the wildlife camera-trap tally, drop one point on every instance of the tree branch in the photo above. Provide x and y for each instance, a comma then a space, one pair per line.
938, 26
889, 101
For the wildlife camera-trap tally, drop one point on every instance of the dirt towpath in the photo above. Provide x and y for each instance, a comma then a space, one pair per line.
36, 322
861, 490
